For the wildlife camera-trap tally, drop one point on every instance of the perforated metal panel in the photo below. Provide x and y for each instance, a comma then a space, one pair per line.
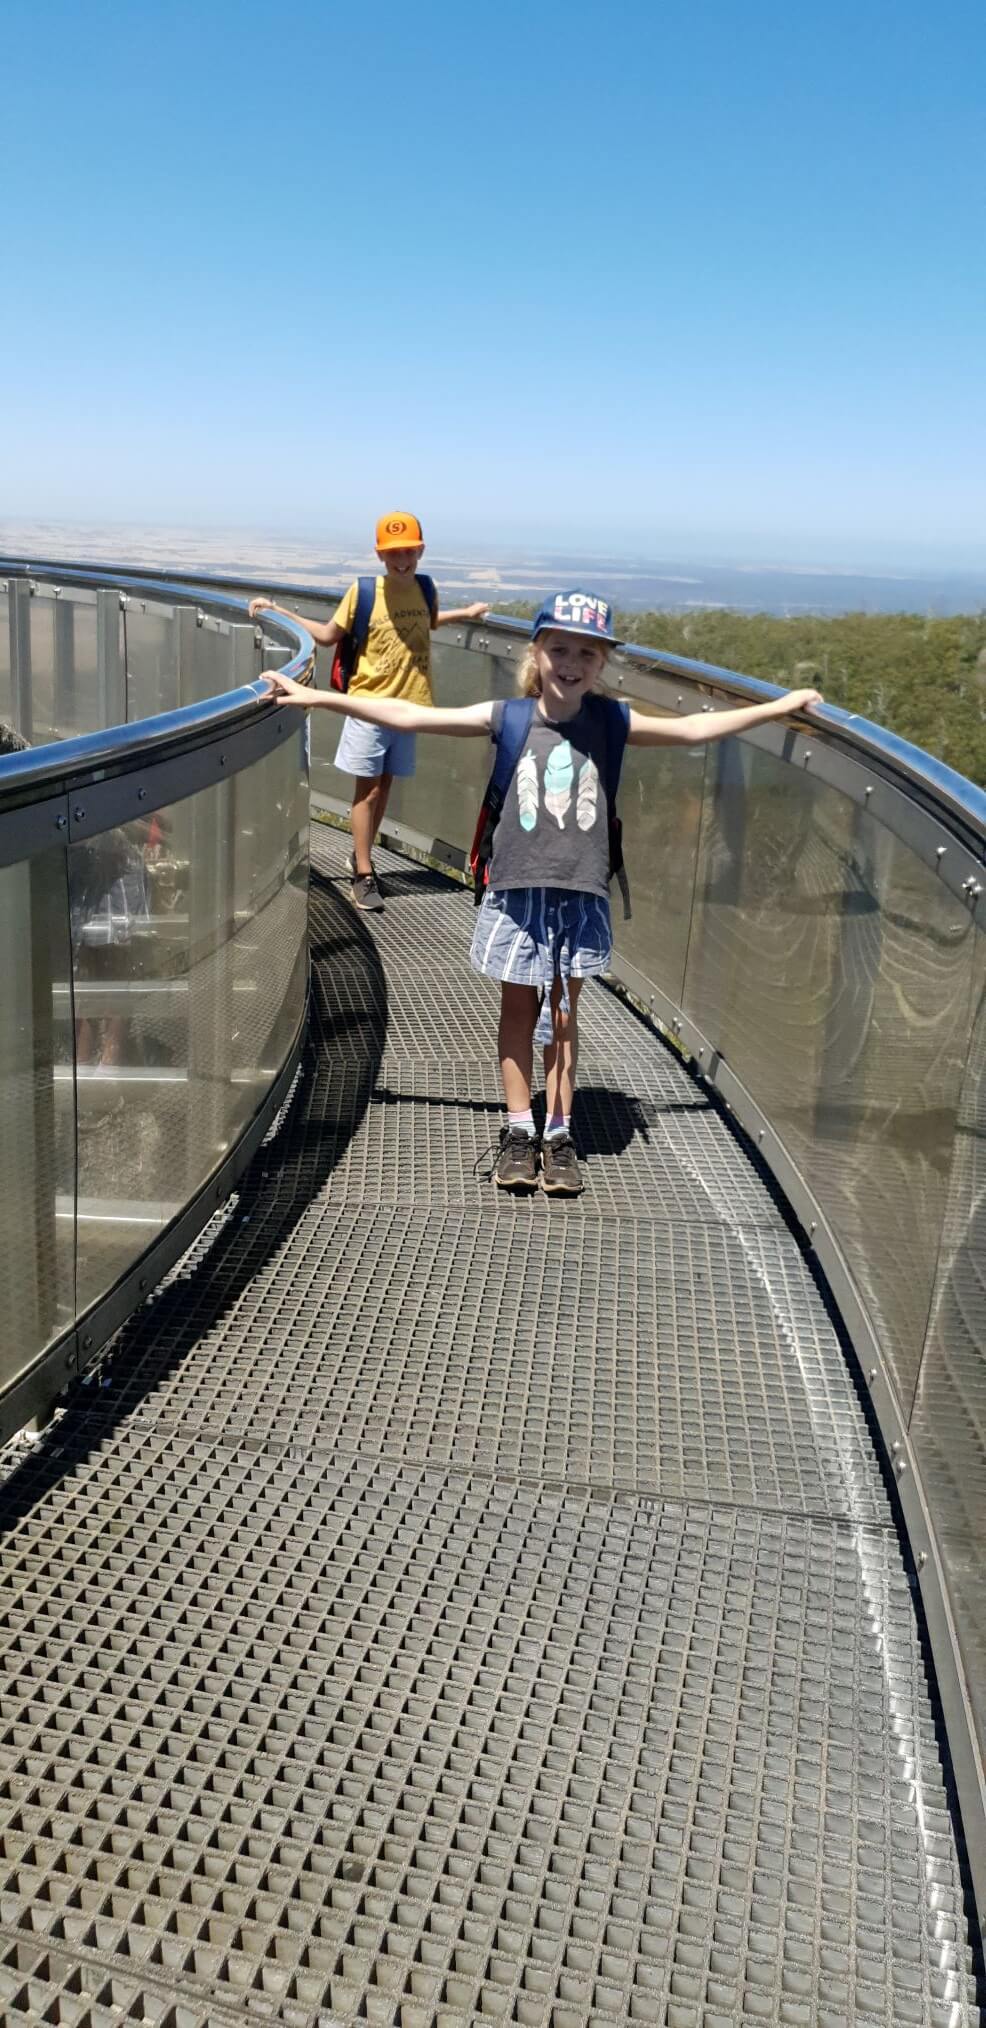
442, 1609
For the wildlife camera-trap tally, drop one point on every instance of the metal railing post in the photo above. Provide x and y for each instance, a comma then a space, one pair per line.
20, 657
111, 674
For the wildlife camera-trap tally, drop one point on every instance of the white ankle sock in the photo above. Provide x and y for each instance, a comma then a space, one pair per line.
559, 1123
522, 1123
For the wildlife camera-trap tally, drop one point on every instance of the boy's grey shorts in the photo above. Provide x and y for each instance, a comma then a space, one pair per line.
374, 750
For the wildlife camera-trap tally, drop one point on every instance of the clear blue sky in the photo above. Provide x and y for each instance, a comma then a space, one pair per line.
694, 280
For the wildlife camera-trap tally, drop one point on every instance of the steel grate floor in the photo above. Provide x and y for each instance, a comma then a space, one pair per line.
441, 1610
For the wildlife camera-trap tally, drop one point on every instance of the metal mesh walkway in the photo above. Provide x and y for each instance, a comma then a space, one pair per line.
447, 1610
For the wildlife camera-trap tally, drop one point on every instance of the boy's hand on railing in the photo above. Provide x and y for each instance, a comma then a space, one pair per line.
476, 612
802, 700
259, 606
286, 690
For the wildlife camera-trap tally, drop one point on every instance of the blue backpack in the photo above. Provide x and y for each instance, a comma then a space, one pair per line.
516, 724
350, 648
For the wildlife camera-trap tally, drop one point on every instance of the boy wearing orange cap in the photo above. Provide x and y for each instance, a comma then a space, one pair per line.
395, 661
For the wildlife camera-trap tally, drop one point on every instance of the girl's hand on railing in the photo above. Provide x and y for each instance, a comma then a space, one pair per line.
259, 606
802, 700
286, 690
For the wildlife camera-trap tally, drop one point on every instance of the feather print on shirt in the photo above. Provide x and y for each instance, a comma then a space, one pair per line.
585, 808
558, 777
527, 791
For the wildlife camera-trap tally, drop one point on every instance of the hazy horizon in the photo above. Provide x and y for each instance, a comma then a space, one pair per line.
507, 573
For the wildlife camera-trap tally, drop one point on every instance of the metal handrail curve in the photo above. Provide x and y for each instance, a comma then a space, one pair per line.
66, 764
960, 803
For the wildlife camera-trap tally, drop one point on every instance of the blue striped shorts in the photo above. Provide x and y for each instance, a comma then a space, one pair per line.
530, 936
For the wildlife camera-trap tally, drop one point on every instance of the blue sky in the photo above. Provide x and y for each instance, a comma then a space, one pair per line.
692, 281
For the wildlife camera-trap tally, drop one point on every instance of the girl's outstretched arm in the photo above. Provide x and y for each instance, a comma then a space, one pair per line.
701, 727
464, 721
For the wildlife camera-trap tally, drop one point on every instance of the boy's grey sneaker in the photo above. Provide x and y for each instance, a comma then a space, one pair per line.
365, 892
517, 1162
560, 1172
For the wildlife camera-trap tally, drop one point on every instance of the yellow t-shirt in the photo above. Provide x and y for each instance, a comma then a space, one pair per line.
396, 661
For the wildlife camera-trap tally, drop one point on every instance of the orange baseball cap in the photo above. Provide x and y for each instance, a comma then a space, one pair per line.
399, 531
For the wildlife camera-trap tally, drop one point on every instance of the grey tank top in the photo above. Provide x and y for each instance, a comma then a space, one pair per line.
554, 825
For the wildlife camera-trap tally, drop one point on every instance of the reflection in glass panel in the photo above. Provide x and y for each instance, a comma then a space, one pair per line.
6, 701
832, 969
37, 1143
41, 625
661, 807
205, 657
949, 1422
189, 945
150, 635
76, 702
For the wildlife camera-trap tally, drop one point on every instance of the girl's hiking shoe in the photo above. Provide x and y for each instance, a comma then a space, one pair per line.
351, 870
364, 891
560, 1172
517, 1162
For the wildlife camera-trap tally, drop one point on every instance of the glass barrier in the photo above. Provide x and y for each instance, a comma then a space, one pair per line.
205, 657
833, 971
155, 972
189, 955
948, 1425
37, 1146
6, 605
150, 631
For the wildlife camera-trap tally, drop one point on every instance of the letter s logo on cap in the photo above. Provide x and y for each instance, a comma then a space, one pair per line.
398, 526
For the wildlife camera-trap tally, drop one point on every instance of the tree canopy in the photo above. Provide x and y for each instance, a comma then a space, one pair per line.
922, 678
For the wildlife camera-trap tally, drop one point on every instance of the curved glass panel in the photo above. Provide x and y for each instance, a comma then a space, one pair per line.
37, 1146
151, 648
6, 603
948, 1427
833, 971
661, 798
189, 951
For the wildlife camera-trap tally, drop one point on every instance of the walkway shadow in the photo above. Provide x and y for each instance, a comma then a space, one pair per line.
606, 1121
348, 1019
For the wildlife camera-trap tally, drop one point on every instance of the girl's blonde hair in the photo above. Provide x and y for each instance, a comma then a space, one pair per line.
529, 676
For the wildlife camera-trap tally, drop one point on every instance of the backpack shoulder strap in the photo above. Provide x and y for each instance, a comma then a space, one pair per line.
366, 592
426, 585
616, 724
616, 727
514, 728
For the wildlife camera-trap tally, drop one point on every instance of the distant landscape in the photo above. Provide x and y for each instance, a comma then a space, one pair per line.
907, 650
923, 678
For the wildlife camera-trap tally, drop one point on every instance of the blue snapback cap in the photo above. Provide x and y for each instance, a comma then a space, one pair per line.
576, 612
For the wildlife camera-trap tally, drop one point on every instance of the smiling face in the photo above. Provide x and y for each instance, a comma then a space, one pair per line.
401, 562
568, 665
